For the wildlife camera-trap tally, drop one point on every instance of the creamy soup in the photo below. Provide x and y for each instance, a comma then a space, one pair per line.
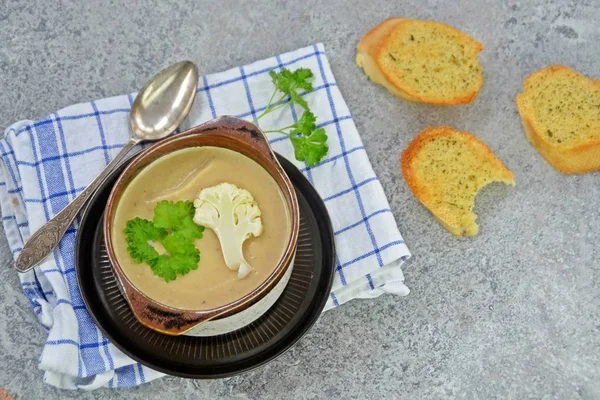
180, 176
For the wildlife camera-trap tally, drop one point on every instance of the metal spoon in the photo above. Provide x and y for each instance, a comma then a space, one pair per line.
159, 108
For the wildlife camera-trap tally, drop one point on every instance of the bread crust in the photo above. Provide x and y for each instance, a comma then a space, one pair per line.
371, 45
422, 193
366, 50
574, 159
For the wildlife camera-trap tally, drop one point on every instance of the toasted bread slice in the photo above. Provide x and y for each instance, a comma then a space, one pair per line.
445, 169
560, 110
422, 61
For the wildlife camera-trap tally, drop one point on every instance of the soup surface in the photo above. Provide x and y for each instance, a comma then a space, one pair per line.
181, 175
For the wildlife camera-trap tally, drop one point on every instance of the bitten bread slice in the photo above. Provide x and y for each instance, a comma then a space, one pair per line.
422, 61
560, 110
445, 169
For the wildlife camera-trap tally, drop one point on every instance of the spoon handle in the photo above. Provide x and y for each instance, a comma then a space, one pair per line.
45, 239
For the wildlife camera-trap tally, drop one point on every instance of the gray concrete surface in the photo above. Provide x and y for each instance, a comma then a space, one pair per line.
512, 313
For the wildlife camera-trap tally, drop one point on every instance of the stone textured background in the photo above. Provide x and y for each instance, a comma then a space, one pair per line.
512, 313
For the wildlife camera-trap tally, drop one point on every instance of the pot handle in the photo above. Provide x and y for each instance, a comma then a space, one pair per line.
161, 318
239, 130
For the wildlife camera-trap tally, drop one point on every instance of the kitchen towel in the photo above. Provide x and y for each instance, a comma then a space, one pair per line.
46, 163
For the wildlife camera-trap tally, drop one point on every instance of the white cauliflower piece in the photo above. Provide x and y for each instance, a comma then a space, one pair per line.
234, 216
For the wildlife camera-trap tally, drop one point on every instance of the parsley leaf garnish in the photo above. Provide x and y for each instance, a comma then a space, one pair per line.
168, 267
177, 217
310, 142
174, 227
139, 233
306, 124
311, 148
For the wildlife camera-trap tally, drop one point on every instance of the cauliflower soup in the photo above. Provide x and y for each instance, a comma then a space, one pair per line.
182, 175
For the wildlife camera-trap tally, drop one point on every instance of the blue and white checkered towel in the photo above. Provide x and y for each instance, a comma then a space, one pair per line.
48, 162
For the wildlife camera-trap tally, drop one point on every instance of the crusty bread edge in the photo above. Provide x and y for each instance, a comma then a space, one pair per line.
577, 159
365, 51
365, 56
420, 192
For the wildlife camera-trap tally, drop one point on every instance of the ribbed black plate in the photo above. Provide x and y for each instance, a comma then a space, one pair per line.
219, 356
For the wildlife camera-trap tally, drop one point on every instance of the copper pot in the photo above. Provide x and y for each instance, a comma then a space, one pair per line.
233, 134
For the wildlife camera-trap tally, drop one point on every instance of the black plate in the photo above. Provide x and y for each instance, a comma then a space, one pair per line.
218, 356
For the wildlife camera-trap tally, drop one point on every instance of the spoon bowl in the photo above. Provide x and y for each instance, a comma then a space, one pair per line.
159, 108
162, 105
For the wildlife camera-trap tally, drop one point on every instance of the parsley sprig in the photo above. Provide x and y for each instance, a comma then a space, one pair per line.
310, 142
174, 228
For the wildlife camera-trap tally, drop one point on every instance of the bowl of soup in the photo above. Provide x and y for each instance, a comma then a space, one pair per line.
201, 229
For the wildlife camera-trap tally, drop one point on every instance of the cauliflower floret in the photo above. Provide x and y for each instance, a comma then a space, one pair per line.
234, 216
